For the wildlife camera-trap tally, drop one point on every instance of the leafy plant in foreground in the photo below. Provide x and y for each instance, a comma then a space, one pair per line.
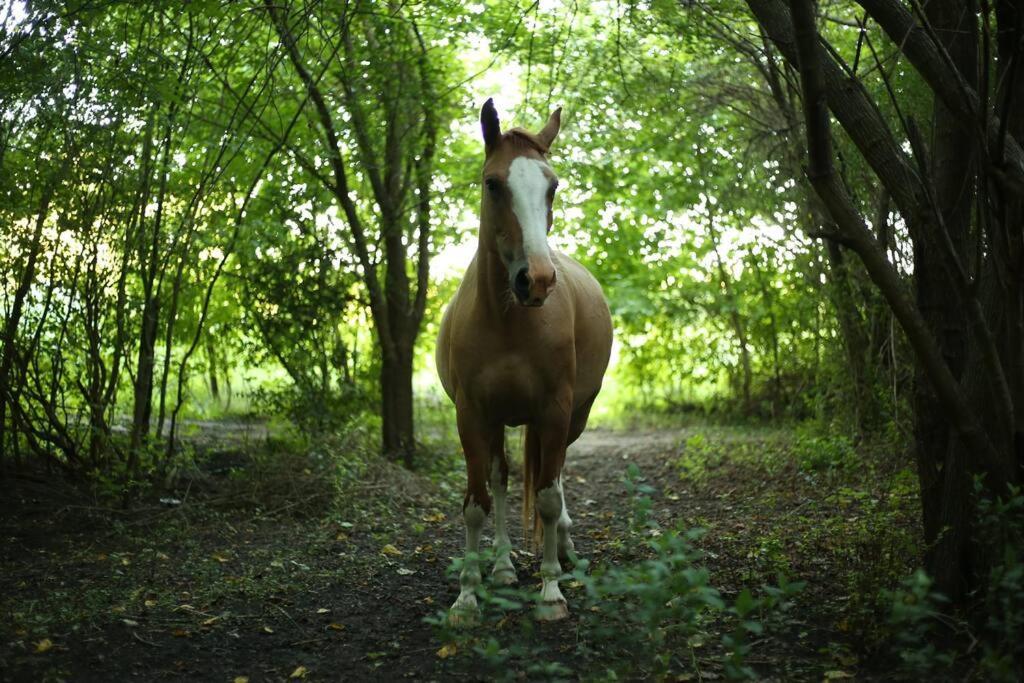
635, 617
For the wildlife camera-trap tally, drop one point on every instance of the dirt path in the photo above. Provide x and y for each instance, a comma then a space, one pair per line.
222, 587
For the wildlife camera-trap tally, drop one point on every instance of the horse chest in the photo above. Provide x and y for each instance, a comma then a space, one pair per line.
508, 385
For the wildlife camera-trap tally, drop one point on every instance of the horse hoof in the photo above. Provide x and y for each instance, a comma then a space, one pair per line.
464, 612
505, 577
552, 611
459, 617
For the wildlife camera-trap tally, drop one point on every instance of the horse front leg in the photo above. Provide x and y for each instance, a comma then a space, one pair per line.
550, 507
473, 433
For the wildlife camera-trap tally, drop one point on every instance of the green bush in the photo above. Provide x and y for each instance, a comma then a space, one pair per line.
816, 450
1001, 527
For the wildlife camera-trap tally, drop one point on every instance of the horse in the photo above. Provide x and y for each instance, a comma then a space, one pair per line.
524, 341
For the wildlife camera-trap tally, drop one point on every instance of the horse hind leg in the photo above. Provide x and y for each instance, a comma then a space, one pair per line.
566, 548
504, 572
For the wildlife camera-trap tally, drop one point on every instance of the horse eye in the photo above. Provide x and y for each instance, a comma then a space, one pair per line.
493, 185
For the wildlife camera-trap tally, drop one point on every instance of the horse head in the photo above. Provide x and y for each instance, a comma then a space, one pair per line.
518, 191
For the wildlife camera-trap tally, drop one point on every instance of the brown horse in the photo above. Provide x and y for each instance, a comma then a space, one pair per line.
525, 341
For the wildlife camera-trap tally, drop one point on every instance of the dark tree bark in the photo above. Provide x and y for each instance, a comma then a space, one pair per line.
941, 456
967, 398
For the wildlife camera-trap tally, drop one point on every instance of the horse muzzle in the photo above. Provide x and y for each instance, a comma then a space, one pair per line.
532, 283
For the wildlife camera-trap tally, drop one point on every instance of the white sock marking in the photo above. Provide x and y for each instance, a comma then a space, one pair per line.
469, 579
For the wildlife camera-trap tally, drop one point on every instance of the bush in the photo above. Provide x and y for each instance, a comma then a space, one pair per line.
1001, 528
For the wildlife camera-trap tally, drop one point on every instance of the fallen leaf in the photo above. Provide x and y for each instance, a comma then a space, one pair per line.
323, 610
180, 633
300, 672
335, 626
162, 556
428, 600
402, 571
436, 517
836, 675
447, 651
221, 558
150, 603
241, 679
267, 629
211, 621
130, 622
342, 536
43, 646
389, 549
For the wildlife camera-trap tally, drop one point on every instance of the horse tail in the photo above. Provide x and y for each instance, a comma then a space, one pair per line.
531, 470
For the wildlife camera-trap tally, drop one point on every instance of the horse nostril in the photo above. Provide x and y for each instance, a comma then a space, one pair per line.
522, 283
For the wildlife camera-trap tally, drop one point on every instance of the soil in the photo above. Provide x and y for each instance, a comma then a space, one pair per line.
244, 570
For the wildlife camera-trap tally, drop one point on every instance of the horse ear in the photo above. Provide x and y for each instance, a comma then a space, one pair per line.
548, 133
490, 125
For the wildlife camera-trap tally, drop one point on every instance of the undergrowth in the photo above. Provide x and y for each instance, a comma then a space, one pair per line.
642, 618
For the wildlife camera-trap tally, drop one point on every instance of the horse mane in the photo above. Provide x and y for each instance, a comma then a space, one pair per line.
524, 139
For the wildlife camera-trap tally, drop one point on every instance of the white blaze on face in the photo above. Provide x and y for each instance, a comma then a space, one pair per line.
529, 185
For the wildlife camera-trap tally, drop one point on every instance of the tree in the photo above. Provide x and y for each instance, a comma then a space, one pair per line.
378, 110
962, 204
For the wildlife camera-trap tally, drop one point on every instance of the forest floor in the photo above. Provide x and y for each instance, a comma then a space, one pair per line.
264, 564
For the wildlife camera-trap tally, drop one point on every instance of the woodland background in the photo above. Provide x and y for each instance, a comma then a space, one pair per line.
808, 218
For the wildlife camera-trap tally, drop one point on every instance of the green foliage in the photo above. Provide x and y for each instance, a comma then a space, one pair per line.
922, 627
819, 452
915, 623
1001, 527
636, 618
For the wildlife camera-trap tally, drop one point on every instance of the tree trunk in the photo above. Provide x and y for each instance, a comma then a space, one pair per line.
10, 332
211, 368
397, 435
143, 389
941, 455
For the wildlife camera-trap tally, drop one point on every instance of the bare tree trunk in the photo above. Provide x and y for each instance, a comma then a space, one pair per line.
941, 456
10, 331
397, 407
211, 367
